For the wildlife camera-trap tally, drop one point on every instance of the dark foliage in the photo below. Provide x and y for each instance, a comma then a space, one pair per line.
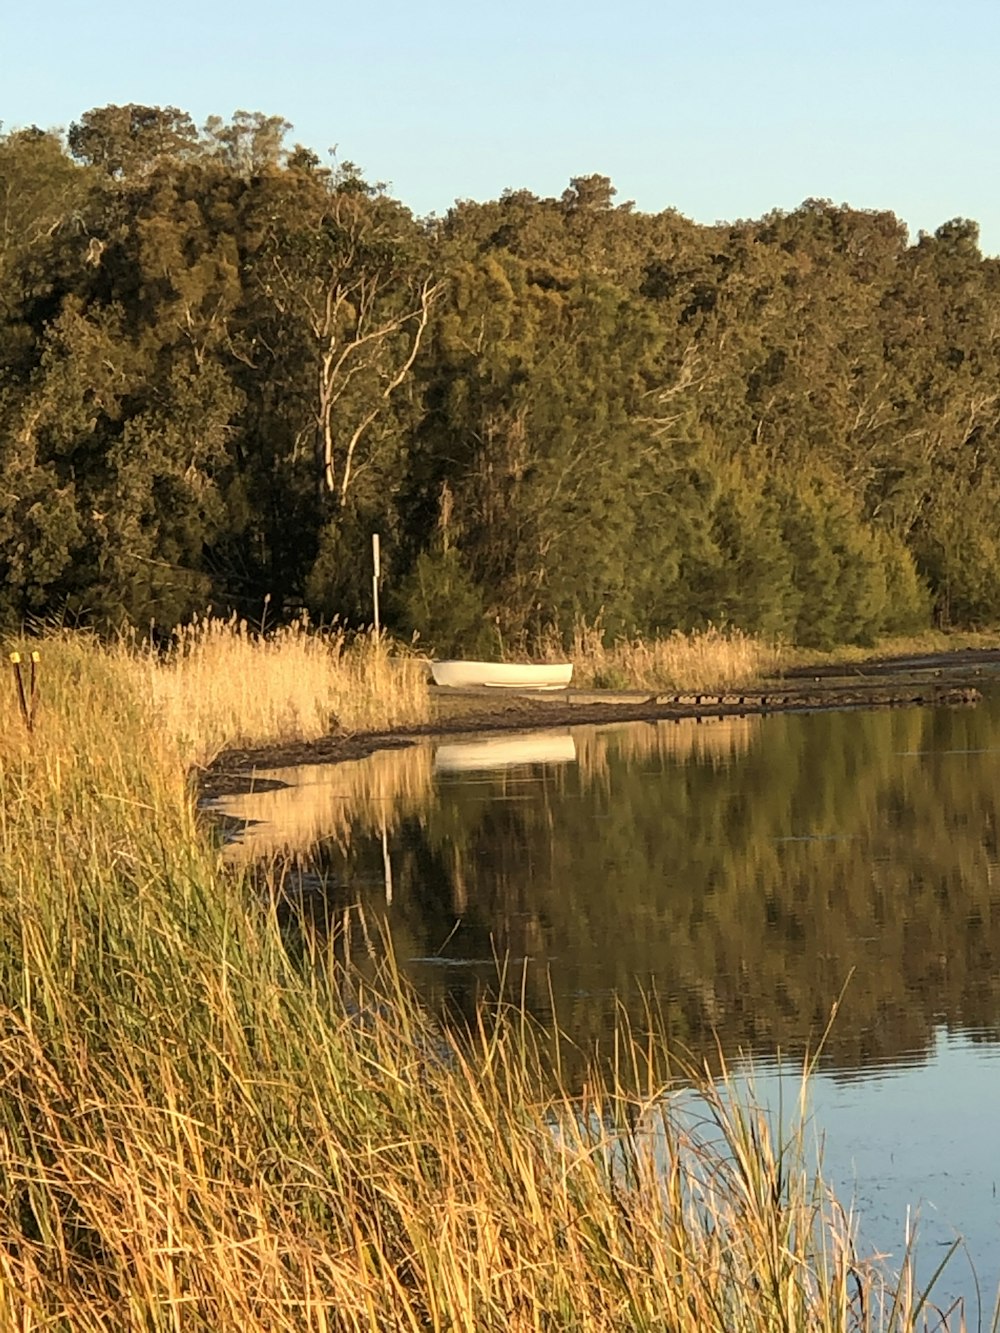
222, 366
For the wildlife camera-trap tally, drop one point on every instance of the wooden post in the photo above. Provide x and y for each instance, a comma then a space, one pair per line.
27, 711
376, 573
33, 692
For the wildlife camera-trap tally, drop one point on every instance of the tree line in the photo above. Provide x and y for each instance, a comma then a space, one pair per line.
224, 364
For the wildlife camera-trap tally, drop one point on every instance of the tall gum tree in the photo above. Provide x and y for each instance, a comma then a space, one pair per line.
127, 141
338, 279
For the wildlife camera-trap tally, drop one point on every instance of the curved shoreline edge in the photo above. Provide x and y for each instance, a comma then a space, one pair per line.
934, 680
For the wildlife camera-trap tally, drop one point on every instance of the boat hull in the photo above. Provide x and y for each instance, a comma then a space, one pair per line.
503, 675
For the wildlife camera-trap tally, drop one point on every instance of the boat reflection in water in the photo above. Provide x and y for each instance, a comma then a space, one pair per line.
294, 809
540, 747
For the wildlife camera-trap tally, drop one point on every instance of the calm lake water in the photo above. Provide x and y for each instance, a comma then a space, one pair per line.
746, 873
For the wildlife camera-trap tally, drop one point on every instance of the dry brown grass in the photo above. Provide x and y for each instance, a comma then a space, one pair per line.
709, 660
222, 684
203, 1130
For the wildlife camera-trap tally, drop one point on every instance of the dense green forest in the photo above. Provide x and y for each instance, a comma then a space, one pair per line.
223, 365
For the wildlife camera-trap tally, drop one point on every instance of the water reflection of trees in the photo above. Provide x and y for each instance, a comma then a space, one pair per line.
741, 872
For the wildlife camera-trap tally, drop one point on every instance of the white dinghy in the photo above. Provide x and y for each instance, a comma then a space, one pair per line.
503, 675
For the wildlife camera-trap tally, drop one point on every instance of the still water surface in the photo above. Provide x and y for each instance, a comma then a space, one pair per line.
744, 872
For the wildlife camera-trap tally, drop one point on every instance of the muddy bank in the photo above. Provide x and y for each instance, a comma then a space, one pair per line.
938, 680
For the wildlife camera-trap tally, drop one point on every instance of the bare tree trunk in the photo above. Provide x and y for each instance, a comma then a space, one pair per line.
360, 355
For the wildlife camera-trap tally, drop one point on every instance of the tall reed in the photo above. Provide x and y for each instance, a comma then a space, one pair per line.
706, 660
202, 1130
220, 683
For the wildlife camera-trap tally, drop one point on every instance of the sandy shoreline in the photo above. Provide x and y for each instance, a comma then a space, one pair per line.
939, 679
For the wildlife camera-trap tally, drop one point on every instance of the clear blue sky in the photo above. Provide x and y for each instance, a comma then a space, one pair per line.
722, 110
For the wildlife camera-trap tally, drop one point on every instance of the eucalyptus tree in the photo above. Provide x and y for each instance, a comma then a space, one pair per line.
338, 294
336, 271
128, 141
246, 144
44, 204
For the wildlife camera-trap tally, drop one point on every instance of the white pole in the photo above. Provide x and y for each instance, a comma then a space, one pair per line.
386, 865
376, 573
